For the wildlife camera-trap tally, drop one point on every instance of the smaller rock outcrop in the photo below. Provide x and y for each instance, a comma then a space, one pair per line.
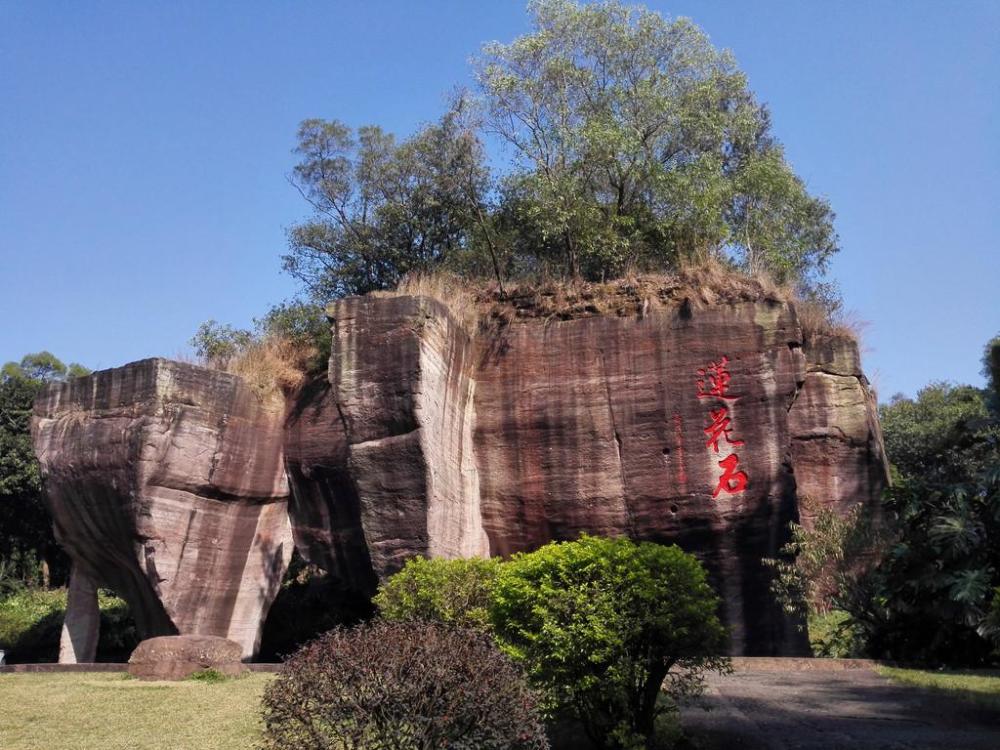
166, 483
836, 445
176, 657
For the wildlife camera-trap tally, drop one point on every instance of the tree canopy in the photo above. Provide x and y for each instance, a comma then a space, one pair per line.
25, 527
633, 145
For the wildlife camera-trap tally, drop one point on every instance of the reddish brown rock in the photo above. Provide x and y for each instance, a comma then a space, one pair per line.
401, 427
165, 482
705, 425
836, 446
180, 656
541, 430
596, 425
324, 502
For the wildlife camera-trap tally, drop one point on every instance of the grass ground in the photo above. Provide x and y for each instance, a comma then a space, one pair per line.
979, 688
110, 712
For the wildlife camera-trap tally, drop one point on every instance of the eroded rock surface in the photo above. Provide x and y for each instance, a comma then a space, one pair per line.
382, 460
166, 483
836, 445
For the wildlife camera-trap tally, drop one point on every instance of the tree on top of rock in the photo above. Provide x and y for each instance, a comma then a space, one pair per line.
634, 145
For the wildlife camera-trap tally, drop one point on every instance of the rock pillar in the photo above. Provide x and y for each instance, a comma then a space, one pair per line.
82, 624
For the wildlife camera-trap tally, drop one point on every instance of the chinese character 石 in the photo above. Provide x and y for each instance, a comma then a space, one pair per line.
731, 481
714, 382
720, 429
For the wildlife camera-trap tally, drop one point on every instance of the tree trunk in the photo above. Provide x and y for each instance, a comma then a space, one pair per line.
646, 716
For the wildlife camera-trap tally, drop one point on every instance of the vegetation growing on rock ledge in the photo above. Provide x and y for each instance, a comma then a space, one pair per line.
635, 146
640, 164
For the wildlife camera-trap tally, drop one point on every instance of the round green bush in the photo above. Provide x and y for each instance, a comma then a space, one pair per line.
401, 686
601, 624
447, 591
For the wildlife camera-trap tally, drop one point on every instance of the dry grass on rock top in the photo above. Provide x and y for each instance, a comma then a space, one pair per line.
479, 306
108, 712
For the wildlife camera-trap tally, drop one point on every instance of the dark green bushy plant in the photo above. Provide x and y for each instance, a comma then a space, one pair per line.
602, 624
447, 591
935, 584
401, 686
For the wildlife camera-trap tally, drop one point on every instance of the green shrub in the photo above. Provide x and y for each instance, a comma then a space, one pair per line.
448, 591
401, 686
31, 625
600, 624
834, 635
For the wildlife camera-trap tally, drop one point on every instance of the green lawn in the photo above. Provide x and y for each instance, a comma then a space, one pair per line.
110, 712
980, 688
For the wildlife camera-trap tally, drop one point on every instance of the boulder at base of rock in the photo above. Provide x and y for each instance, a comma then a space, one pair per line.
175, 657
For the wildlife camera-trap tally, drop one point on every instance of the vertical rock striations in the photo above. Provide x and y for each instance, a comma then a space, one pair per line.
604, 424
685, 424
165, 483
712, 426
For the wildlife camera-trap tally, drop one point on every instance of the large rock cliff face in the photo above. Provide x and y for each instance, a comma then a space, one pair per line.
165, 482
697, 425
380, 458
712, 426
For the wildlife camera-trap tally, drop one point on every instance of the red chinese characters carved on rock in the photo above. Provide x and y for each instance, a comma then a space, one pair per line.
713, 382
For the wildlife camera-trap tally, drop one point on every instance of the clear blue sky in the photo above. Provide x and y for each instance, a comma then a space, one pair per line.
144, 149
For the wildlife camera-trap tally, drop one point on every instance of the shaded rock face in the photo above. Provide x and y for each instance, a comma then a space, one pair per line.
165, 482
381, 459
700, 426
177, 657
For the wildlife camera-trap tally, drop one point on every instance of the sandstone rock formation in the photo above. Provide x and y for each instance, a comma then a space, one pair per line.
176, 657
380, 459
82, 622
698, 425
709, 425
165, 482
836, 439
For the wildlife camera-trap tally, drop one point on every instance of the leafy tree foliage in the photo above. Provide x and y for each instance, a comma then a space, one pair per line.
448, 591
947, 434
635, 145
936, 583
383, 208
25, 527
401, 686
991, 371
599, 624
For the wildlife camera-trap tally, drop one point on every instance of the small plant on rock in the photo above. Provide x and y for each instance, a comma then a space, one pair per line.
401, 686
